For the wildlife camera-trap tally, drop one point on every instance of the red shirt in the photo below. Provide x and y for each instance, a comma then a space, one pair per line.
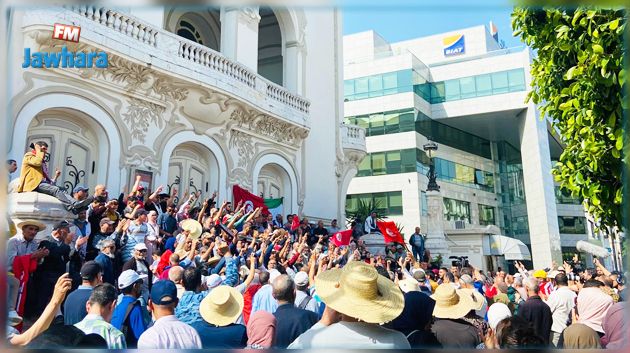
248, 297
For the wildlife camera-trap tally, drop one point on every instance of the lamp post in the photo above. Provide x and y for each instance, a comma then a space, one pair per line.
429, 148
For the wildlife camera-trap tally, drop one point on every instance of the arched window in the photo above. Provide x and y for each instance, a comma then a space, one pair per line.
270, 60
188, 31
201, 26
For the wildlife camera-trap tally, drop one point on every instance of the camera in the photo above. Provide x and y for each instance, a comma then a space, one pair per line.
460, 261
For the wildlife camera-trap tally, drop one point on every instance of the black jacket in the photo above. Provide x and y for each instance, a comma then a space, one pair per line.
535, 311
132, 265
290, 323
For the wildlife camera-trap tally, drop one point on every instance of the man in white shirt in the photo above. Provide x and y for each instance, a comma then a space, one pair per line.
561, 301
167, 331
370, 224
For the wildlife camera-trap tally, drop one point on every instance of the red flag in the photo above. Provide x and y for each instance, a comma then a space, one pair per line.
342, 238
390, 232
250, 200
295, 223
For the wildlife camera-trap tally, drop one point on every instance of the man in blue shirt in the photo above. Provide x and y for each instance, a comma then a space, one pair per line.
129, 316
291, 322
187, 310
417, 245
167, 222
106, 259
74, 308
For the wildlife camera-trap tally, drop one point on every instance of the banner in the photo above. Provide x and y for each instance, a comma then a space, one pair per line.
250, 200
390, 232
342, 238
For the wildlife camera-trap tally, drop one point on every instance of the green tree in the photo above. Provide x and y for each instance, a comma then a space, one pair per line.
578, 81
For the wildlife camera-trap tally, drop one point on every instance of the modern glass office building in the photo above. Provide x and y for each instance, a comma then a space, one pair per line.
495, 153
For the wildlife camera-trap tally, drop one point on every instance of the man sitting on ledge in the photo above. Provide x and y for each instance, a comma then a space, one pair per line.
34, 177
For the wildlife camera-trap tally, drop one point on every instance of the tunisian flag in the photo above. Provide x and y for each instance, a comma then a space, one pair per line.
390, 232
342, 238
295, 223
250, 200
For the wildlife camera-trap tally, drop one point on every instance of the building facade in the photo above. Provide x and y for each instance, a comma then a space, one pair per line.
466, 93
197, 99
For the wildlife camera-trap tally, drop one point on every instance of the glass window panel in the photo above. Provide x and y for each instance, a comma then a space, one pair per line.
437, 92
363, 121
484, 85
348, 88
499, 82
361, 85
452, 90
390, 80
516, 79
408, 160
404, 81
365, 167
407, 121
378, 164
467, 87
376, 86
392, 122
393, 162
377, 124
395, 203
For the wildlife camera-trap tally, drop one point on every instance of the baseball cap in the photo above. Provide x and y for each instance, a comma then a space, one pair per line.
163, 292
106, 221
213, 280
140, 246
301, 279
129, 277
90, 270
79, 188
540, 274
62, 224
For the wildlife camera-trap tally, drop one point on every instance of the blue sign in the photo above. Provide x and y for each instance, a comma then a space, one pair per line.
454, 45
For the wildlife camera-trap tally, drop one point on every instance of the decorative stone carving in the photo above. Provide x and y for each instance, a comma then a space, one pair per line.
270, 127
251, 13
244, 146
140, 114
240, 177
142, 158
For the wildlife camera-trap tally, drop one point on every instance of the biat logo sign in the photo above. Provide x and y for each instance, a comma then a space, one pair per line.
65, 58
454, 45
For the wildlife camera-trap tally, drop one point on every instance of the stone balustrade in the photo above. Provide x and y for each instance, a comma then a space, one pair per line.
353, 137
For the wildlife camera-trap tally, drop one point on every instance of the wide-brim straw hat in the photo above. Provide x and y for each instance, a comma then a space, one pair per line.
32, 222
222, 306
477, 297
193, 227
358, 291
214, 260
451, 303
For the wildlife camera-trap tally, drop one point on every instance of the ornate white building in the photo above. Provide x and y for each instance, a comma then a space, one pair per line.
209, 97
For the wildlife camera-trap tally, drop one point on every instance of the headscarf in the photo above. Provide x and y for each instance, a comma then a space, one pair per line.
615, 326
496, 313
416, 314
261, 330
580, 336
592, 306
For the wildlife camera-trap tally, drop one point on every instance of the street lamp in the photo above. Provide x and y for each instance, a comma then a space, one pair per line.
429, 148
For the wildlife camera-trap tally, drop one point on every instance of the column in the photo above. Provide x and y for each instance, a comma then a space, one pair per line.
239, 34
436, 242
539, 189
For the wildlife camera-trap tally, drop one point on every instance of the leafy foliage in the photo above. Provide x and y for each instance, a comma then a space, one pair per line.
578, 81
364, 208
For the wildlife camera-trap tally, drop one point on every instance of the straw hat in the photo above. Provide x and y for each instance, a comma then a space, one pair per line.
214, 260
477, 297
222, 306
358, 291
409, 285
451, 303
32, 222
193, 227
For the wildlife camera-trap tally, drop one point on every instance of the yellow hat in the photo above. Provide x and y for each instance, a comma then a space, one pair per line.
540, 274
222, 306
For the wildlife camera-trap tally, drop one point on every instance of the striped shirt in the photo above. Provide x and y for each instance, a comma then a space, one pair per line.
93, 323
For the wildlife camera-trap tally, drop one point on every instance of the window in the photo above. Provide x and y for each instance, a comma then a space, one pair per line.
499, 82
365, 167
389, 122
378, 163
516, 79
390, 202
483, 85
486, 215
467, 87
390, 83
361, 88
393, 162
456, 210
472, 86
376, 86
572, 225
451, 90
377, 125
564, 197
348, 88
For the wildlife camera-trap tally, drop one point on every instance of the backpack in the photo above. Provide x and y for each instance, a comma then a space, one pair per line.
305, 302
126, 329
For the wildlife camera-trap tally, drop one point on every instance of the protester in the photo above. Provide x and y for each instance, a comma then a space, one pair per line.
74, 309
167, 332
129, 315
451, 306
615, 326
415, 321
535, 311
592, 306
561, 302
100, 307
220, 309
139, 264
363, 298
291, 321
261, 330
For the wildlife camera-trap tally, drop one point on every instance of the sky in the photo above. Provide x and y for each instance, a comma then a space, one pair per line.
397, 20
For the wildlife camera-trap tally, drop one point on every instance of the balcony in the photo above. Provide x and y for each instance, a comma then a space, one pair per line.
353, 138
126, 36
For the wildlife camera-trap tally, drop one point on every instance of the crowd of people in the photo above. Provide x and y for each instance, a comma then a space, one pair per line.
136, 270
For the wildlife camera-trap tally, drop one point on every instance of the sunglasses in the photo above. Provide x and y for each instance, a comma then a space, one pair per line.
142, 251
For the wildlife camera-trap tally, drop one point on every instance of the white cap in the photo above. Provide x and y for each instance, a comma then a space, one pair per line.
213, 280
128, 278
140, 246
301, 279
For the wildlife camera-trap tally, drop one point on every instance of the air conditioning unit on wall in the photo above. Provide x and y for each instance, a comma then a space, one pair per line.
460, 224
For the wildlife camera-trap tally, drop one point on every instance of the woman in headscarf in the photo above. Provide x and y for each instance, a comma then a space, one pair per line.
592, 306
615, 326
261, 330
415, 321
580, 336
